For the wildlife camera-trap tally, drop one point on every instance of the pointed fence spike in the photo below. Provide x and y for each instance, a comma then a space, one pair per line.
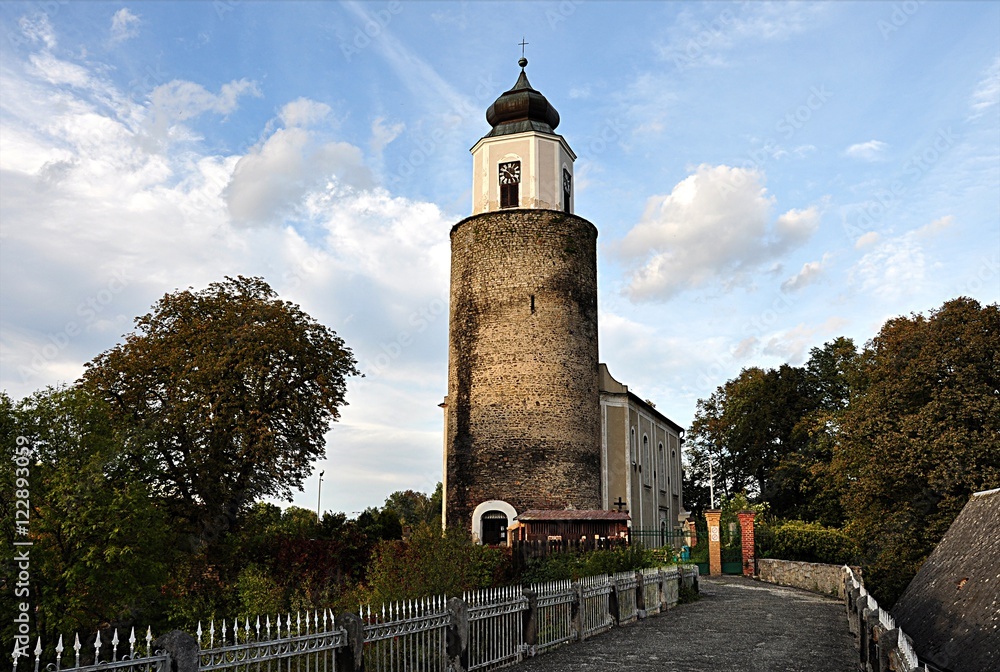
38, 648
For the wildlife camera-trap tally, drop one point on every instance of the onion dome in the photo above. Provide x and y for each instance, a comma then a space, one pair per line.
521, 109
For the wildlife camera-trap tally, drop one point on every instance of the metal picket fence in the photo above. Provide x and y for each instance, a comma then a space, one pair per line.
595, 605
140, 657
495, 627
410, 636
310, 642
555, 614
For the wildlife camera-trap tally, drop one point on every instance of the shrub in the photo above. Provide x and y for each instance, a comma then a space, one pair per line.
572, 566
806, 542
432, 563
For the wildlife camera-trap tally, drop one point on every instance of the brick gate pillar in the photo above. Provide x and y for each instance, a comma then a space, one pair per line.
746, 532
714, 549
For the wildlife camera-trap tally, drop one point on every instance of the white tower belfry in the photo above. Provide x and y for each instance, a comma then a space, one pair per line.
522, 162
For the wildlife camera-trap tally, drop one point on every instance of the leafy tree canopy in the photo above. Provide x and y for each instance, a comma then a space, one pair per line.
921, 435
222, 397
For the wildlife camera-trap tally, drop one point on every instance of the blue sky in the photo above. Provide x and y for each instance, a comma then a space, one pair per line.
764, 178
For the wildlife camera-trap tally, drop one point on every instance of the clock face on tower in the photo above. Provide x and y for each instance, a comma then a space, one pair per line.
510, 173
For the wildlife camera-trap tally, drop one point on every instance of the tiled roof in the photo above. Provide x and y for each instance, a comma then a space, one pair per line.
951, 608
573, 514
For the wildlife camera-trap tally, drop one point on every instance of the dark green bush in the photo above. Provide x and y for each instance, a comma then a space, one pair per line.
806, 542
573, 566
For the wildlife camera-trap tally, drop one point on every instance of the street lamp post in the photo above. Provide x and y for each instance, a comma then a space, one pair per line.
319, 496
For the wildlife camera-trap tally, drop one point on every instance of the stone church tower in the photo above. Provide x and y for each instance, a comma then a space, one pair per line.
522, 415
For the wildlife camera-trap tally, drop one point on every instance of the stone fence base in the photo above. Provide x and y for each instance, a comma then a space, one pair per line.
811, 576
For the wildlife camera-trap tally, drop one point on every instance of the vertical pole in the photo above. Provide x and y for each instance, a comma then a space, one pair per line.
714, 548
319, 495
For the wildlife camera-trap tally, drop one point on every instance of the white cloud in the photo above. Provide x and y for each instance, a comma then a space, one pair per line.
792, 345
303, 112
895, 269
873, 150
181, 100
97, 228
383, 134
124, 25
270, 182
810, 272
714, 227
704, 38
38, 29
937, 226
869, 238
987, 93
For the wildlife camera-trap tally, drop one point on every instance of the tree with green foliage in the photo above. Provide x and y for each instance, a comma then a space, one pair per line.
222, 397
920, 435
770, 434
101, 538
414, 507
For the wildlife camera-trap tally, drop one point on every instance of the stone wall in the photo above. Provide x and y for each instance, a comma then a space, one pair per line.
523, 414
811, 576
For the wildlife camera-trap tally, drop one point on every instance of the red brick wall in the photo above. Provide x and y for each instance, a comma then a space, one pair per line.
746, 531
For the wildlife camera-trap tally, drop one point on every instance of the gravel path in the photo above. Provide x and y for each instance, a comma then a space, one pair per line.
738, 625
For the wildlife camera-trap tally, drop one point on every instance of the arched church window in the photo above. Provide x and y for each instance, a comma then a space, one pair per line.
663, 476
631, 446
510, 181
647, 473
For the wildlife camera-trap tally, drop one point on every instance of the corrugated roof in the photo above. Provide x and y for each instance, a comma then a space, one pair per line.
572, 514
951, 608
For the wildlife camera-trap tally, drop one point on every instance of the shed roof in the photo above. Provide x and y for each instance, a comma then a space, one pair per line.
951, 609
573, 514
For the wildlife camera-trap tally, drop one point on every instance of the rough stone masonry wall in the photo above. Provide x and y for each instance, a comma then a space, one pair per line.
812, 576
523, 400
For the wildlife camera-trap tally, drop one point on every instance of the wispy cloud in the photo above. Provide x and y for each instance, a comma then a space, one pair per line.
124, 25
937, 226
811, 271
873, 150
987, 92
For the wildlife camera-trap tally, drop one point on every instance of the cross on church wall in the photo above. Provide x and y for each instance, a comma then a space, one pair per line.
620, 504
